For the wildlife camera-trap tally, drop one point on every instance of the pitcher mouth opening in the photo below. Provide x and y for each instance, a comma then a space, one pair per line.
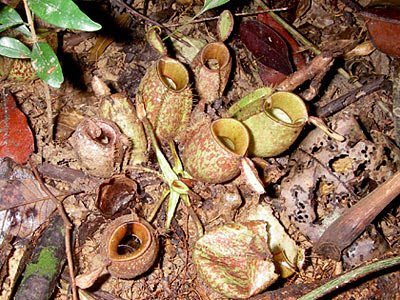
287, 109
129, 241
172, 74
233, 138
215, 56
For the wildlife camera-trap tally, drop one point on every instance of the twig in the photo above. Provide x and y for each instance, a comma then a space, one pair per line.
343, 101
67, 228
316, 82
139, 15
319, 64
30, 21
46, 88
236, 15
49, 111
344, 230
350, 276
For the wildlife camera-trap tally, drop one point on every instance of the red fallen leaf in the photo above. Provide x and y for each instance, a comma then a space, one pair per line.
16, 139
270, 76
383, 25
297, 56
267, 46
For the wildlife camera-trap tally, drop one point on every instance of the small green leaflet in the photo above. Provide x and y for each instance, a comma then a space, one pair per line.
210, 4
24, 30
8, 17
13, 48
46, 64
63, 13
225, 25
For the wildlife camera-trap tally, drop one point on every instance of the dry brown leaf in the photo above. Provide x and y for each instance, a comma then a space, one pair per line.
23, 207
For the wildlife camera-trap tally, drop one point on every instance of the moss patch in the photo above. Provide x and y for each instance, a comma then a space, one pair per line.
46, 265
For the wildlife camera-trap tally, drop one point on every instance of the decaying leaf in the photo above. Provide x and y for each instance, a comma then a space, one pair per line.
267, 46
235, 260
334, 173
383, 25
67, 122
119, 109
16, 139
365, 48
103, 42
114, 194
280, 243
23, 206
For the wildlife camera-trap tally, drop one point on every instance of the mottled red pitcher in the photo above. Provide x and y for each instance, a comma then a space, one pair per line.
214, 152
164, 91
212, 67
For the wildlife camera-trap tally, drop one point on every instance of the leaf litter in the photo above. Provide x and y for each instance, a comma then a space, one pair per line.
308, 185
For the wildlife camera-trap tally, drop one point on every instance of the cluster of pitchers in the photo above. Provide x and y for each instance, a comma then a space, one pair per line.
263, 124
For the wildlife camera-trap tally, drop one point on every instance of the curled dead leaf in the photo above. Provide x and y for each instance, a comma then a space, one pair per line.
235, 259
383, 25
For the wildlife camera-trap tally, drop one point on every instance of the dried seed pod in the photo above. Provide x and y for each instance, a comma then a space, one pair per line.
129, 246
100, 146
114, 194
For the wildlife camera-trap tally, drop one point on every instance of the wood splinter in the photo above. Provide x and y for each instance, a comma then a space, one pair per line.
344, 230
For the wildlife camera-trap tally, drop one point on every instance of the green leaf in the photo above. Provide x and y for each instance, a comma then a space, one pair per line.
210, 4
172, 203
13, 48
46, 64
63, 13
225, 25
8, 17
24, 30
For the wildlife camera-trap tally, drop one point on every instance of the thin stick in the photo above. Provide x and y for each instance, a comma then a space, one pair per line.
343, 101
46, 88
30, 21
236, 15
350, 276
319, 64
139, 15
67, 228
49, 111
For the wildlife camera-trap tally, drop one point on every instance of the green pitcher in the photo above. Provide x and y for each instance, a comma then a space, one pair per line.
274, 120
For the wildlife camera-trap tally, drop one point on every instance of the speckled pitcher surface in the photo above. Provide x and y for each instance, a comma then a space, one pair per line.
164, 91
213, 153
